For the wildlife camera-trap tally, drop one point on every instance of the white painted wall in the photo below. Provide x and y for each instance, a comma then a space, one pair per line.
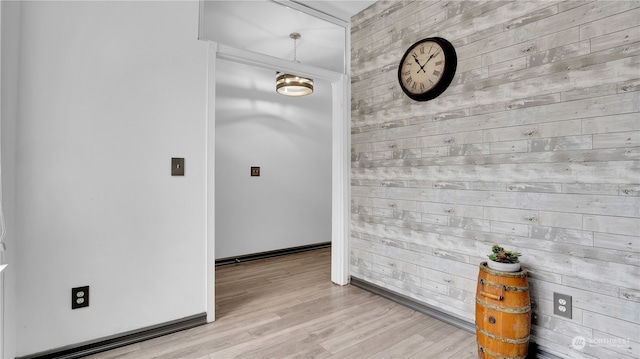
8, 125
108, 93
290, 139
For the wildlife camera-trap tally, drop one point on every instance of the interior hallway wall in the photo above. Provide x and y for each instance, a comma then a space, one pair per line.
108, 92
10, 12
289, 138
534, 146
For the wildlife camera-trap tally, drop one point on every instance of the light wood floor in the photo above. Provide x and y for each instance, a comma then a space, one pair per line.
287, 307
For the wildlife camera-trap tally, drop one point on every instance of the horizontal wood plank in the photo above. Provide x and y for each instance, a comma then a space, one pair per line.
534, 146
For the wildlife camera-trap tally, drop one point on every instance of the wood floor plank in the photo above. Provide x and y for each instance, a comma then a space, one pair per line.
444, 344
313, 351
403, 349
378, 343
364, 332
287, 307
468, 351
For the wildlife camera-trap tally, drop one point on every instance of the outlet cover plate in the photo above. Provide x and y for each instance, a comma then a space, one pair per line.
79, 297
177, 166
255, 171
562, 305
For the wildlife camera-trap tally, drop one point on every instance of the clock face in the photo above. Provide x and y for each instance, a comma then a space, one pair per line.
427, 68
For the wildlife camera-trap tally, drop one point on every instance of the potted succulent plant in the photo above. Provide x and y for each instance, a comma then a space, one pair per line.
503, 260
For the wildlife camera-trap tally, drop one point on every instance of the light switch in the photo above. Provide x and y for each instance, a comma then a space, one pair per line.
177, 166
255, 171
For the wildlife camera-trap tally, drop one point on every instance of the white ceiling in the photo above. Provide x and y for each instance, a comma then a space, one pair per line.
342, 9
264, 26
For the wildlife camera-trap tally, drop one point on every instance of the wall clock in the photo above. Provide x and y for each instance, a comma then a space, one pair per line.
427, 68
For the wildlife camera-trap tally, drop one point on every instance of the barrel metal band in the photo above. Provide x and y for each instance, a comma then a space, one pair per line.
496, 355
501, 339
511, 288
504, 310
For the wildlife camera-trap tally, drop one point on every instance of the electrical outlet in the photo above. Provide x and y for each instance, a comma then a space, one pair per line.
79, 297
562, 305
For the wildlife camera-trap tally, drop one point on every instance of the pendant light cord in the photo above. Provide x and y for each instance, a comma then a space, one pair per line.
295, 36
295, 41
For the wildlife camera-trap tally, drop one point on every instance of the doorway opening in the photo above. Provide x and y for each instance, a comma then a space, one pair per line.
273, 164
340, 132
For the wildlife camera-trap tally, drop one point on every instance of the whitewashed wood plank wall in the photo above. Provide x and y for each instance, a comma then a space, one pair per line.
535, 146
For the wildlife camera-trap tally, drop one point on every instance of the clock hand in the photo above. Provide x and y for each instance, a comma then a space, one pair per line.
418, 62
422, 67
430, 57
416, 59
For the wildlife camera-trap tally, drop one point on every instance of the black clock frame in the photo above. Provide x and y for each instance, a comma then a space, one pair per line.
449, 71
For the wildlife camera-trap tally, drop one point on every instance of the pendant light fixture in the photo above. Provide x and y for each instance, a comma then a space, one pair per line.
293, 85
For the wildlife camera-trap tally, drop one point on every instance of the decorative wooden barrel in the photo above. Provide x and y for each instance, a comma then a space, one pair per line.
503, 314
